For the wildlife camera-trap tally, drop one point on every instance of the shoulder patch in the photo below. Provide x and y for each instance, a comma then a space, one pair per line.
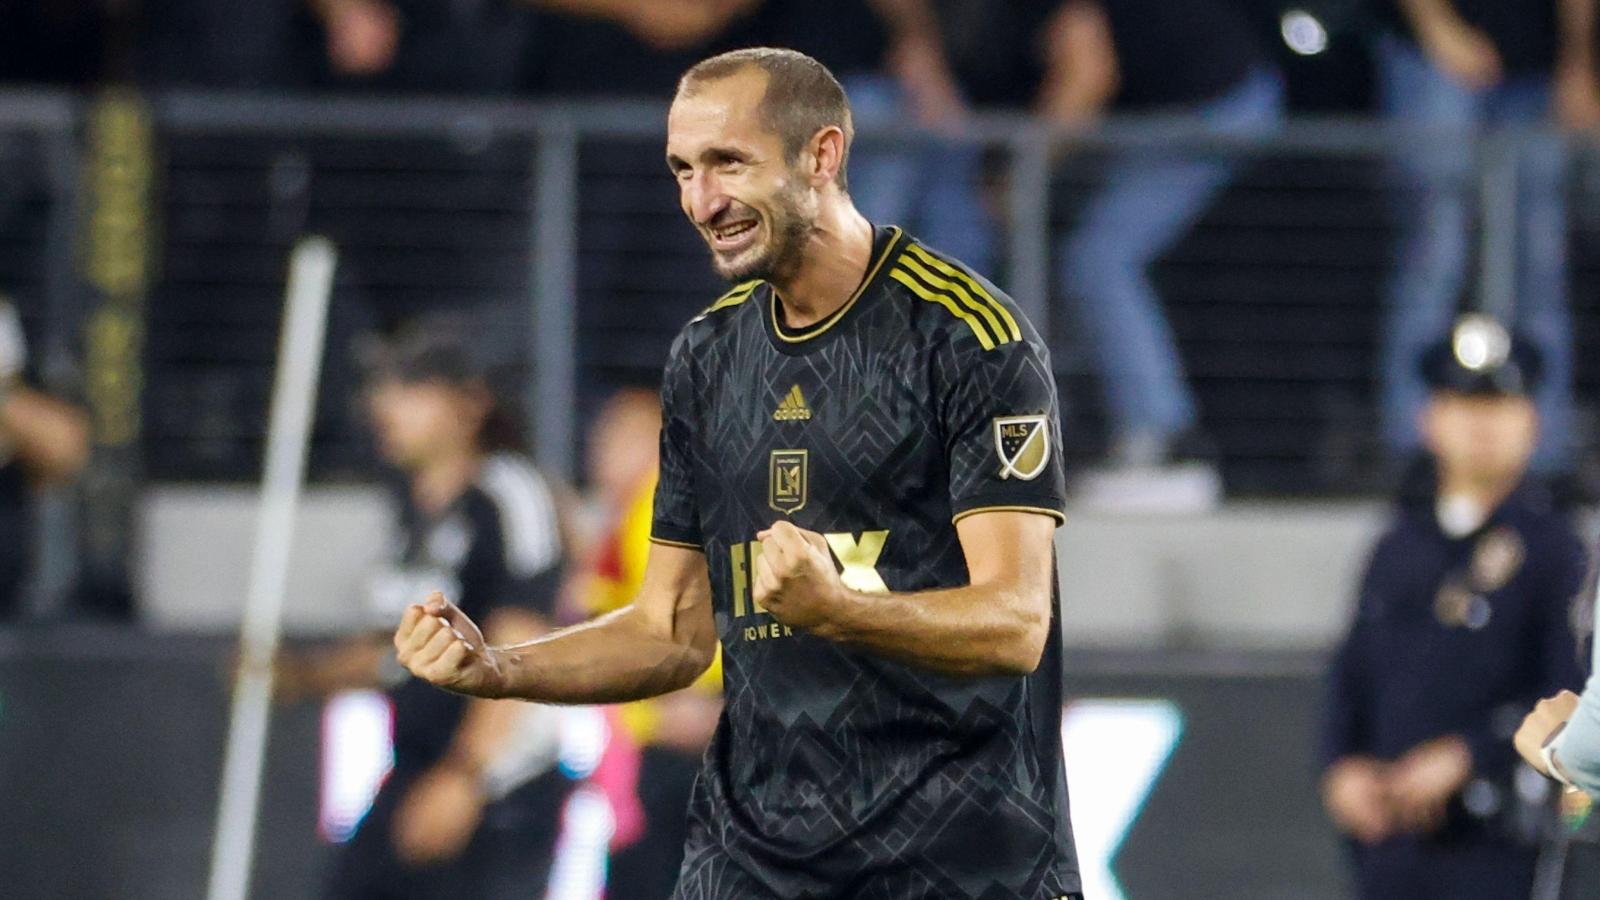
939, 282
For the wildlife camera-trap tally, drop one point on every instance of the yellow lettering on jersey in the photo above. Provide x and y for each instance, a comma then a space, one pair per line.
860, 560
741, 579
755, 560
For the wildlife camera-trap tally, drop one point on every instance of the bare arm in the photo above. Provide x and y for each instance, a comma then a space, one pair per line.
1082, 74
1577, 84
996, 625
916, 57
51, 437
660, 643
1462, 51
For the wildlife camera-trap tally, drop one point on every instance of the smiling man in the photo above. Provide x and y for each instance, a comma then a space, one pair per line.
858, 494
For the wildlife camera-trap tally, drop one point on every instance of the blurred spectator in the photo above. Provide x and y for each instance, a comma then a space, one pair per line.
1195, 63
630, 48
60, 42
472, 801
672, 731
890, 58
1461, 625
1456, 67
424, 46
230, 44
43, 441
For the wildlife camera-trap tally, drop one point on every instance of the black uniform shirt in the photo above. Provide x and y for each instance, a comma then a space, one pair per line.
835, 772
1458, 635
498, 545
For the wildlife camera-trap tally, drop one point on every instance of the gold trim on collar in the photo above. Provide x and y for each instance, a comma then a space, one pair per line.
820, 327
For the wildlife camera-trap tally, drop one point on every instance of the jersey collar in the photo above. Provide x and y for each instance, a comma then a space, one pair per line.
791, 340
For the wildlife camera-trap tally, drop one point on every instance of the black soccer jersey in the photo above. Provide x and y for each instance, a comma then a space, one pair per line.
835, 773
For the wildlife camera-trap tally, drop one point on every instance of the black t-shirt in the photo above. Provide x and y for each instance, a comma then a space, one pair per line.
498, 545
925, 398
1525, 33
844, 35
1168, 53
1174, 53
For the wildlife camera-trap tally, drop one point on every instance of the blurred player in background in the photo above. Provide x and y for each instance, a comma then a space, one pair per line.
43, 441
1462, 623
858, 401
479, 522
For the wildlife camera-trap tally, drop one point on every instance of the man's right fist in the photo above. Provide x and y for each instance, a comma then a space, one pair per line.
440, 645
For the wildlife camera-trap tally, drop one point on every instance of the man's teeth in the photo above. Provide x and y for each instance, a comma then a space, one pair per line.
731, 231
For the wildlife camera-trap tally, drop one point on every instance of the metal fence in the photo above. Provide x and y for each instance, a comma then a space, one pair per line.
146, 238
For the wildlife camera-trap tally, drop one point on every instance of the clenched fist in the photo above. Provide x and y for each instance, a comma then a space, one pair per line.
795, 578
440, 645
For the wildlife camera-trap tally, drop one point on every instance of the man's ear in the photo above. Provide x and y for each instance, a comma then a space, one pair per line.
827, 156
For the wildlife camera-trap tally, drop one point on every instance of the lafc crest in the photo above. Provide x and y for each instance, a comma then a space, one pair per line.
788, 472
1023, 443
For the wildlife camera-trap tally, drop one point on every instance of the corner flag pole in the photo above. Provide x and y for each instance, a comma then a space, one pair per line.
294, 395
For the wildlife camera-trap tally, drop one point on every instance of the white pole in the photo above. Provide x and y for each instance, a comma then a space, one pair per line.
288, 438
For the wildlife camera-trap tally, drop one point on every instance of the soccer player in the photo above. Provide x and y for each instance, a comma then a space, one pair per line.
858, 495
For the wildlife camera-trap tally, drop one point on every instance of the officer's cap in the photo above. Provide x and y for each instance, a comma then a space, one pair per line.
1481, 358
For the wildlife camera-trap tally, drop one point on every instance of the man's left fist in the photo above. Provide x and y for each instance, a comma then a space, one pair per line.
795, 578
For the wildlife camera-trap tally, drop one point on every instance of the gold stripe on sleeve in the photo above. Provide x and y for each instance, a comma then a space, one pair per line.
1044, 511
916, 287
954, 289
666, 543
952, 271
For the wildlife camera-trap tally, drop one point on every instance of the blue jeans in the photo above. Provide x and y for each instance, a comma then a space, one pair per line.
929, 186
1148, 202
1436, 213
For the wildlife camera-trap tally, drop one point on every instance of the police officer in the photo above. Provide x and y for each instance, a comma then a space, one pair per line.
1462, 623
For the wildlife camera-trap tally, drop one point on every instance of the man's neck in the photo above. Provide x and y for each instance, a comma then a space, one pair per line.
834, 261
1484, 493
437, 485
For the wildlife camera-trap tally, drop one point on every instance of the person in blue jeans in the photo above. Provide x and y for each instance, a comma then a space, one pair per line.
890, 57
1143, 56
1456, 68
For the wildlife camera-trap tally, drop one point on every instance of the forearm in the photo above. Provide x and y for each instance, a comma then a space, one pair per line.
1425, 15
1577, 23
977, 630
50, 437
616, 658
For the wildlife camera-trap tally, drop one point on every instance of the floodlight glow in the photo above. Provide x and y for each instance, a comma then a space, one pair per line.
1303, 32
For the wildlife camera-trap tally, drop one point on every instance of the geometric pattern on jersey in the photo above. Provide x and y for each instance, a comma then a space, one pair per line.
835, 772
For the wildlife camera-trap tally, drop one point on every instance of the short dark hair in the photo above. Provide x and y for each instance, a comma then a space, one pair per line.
802, 97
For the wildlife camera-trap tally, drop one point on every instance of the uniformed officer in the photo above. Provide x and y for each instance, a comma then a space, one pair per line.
1462, 623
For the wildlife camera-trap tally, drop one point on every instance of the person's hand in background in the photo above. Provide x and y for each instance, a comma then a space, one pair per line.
1422, 782
363, 35
1356, 795
438, 815
1541, 726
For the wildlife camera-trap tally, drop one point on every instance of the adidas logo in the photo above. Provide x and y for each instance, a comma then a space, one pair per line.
793, 408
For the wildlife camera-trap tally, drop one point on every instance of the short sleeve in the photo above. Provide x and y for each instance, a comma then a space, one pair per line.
516, 554
1003, 431
676, 516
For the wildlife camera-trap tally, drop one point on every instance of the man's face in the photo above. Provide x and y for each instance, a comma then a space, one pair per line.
752, 207
417, 422
1481, 437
